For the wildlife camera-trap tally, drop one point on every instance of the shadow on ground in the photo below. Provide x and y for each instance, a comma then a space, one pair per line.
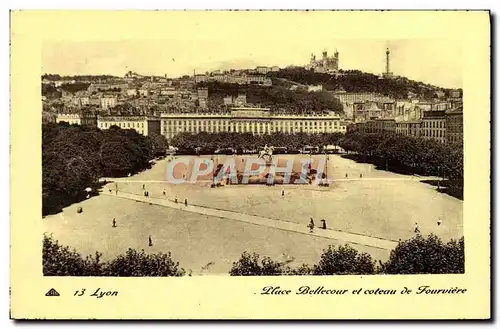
452, 188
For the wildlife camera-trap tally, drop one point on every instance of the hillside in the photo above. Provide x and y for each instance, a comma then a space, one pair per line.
277, 98
357, 81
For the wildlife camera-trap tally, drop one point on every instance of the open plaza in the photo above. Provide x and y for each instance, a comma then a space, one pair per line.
207, 229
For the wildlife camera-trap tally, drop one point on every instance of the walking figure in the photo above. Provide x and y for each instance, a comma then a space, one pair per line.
323, 224
185, 202
345, 175
145, 193
282, 192
116, 192
150, 241
360, 175
143, 186
311, 225
416, 228
439, 221
175, 200
109, 190
114, 222
164, 193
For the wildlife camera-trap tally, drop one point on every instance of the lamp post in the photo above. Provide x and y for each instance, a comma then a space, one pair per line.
213, 171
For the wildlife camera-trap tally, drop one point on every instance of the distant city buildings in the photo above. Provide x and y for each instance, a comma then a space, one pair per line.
365, 106
169, 106
444, 126
108, 102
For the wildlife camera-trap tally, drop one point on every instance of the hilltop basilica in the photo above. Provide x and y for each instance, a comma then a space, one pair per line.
325, 64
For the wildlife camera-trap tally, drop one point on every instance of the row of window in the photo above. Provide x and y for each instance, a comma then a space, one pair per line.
246, 129
433, 133
227, 123
122, 124
434, 124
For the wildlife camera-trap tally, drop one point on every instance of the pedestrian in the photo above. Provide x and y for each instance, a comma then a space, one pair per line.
114, 222
116, 192
145, 194
323, 224
175, 200
143, 186
282, 192
185, 202
164, 193
311, 225
346, 175
360, 175
109, 190
416, 228
439, 221
150, 241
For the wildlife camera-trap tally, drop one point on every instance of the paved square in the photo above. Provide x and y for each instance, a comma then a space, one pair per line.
358, 210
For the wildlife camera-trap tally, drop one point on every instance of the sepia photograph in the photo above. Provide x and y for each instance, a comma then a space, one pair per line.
320, 163
299, 146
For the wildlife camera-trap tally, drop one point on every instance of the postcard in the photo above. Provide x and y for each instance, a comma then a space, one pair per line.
250, 165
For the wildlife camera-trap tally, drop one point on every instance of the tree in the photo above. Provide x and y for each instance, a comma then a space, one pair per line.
426, 255
250, 264
74, 157
115, 159
344, 260
59, 260
159, 144
135, 263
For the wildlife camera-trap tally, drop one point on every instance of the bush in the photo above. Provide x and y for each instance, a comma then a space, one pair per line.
135, 263
418, 255
59, 260
344, 260
249, 264
430, 255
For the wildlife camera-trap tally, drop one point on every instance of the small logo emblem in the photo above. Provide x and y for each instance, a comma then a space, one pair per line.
52, 292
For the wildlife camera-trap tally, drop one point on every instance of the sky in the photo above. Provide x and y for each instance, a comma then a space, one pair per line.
205, 44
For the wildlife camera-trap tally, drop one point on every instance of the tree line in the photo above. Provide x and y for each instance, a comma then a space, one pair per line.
207, 143
59, 260
409, 154
276, 98
75, 157
418, 255
357, 81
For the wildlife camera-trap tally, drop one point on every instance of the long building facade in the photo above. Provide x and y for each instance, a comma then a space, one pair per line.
141, 124
250, 120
